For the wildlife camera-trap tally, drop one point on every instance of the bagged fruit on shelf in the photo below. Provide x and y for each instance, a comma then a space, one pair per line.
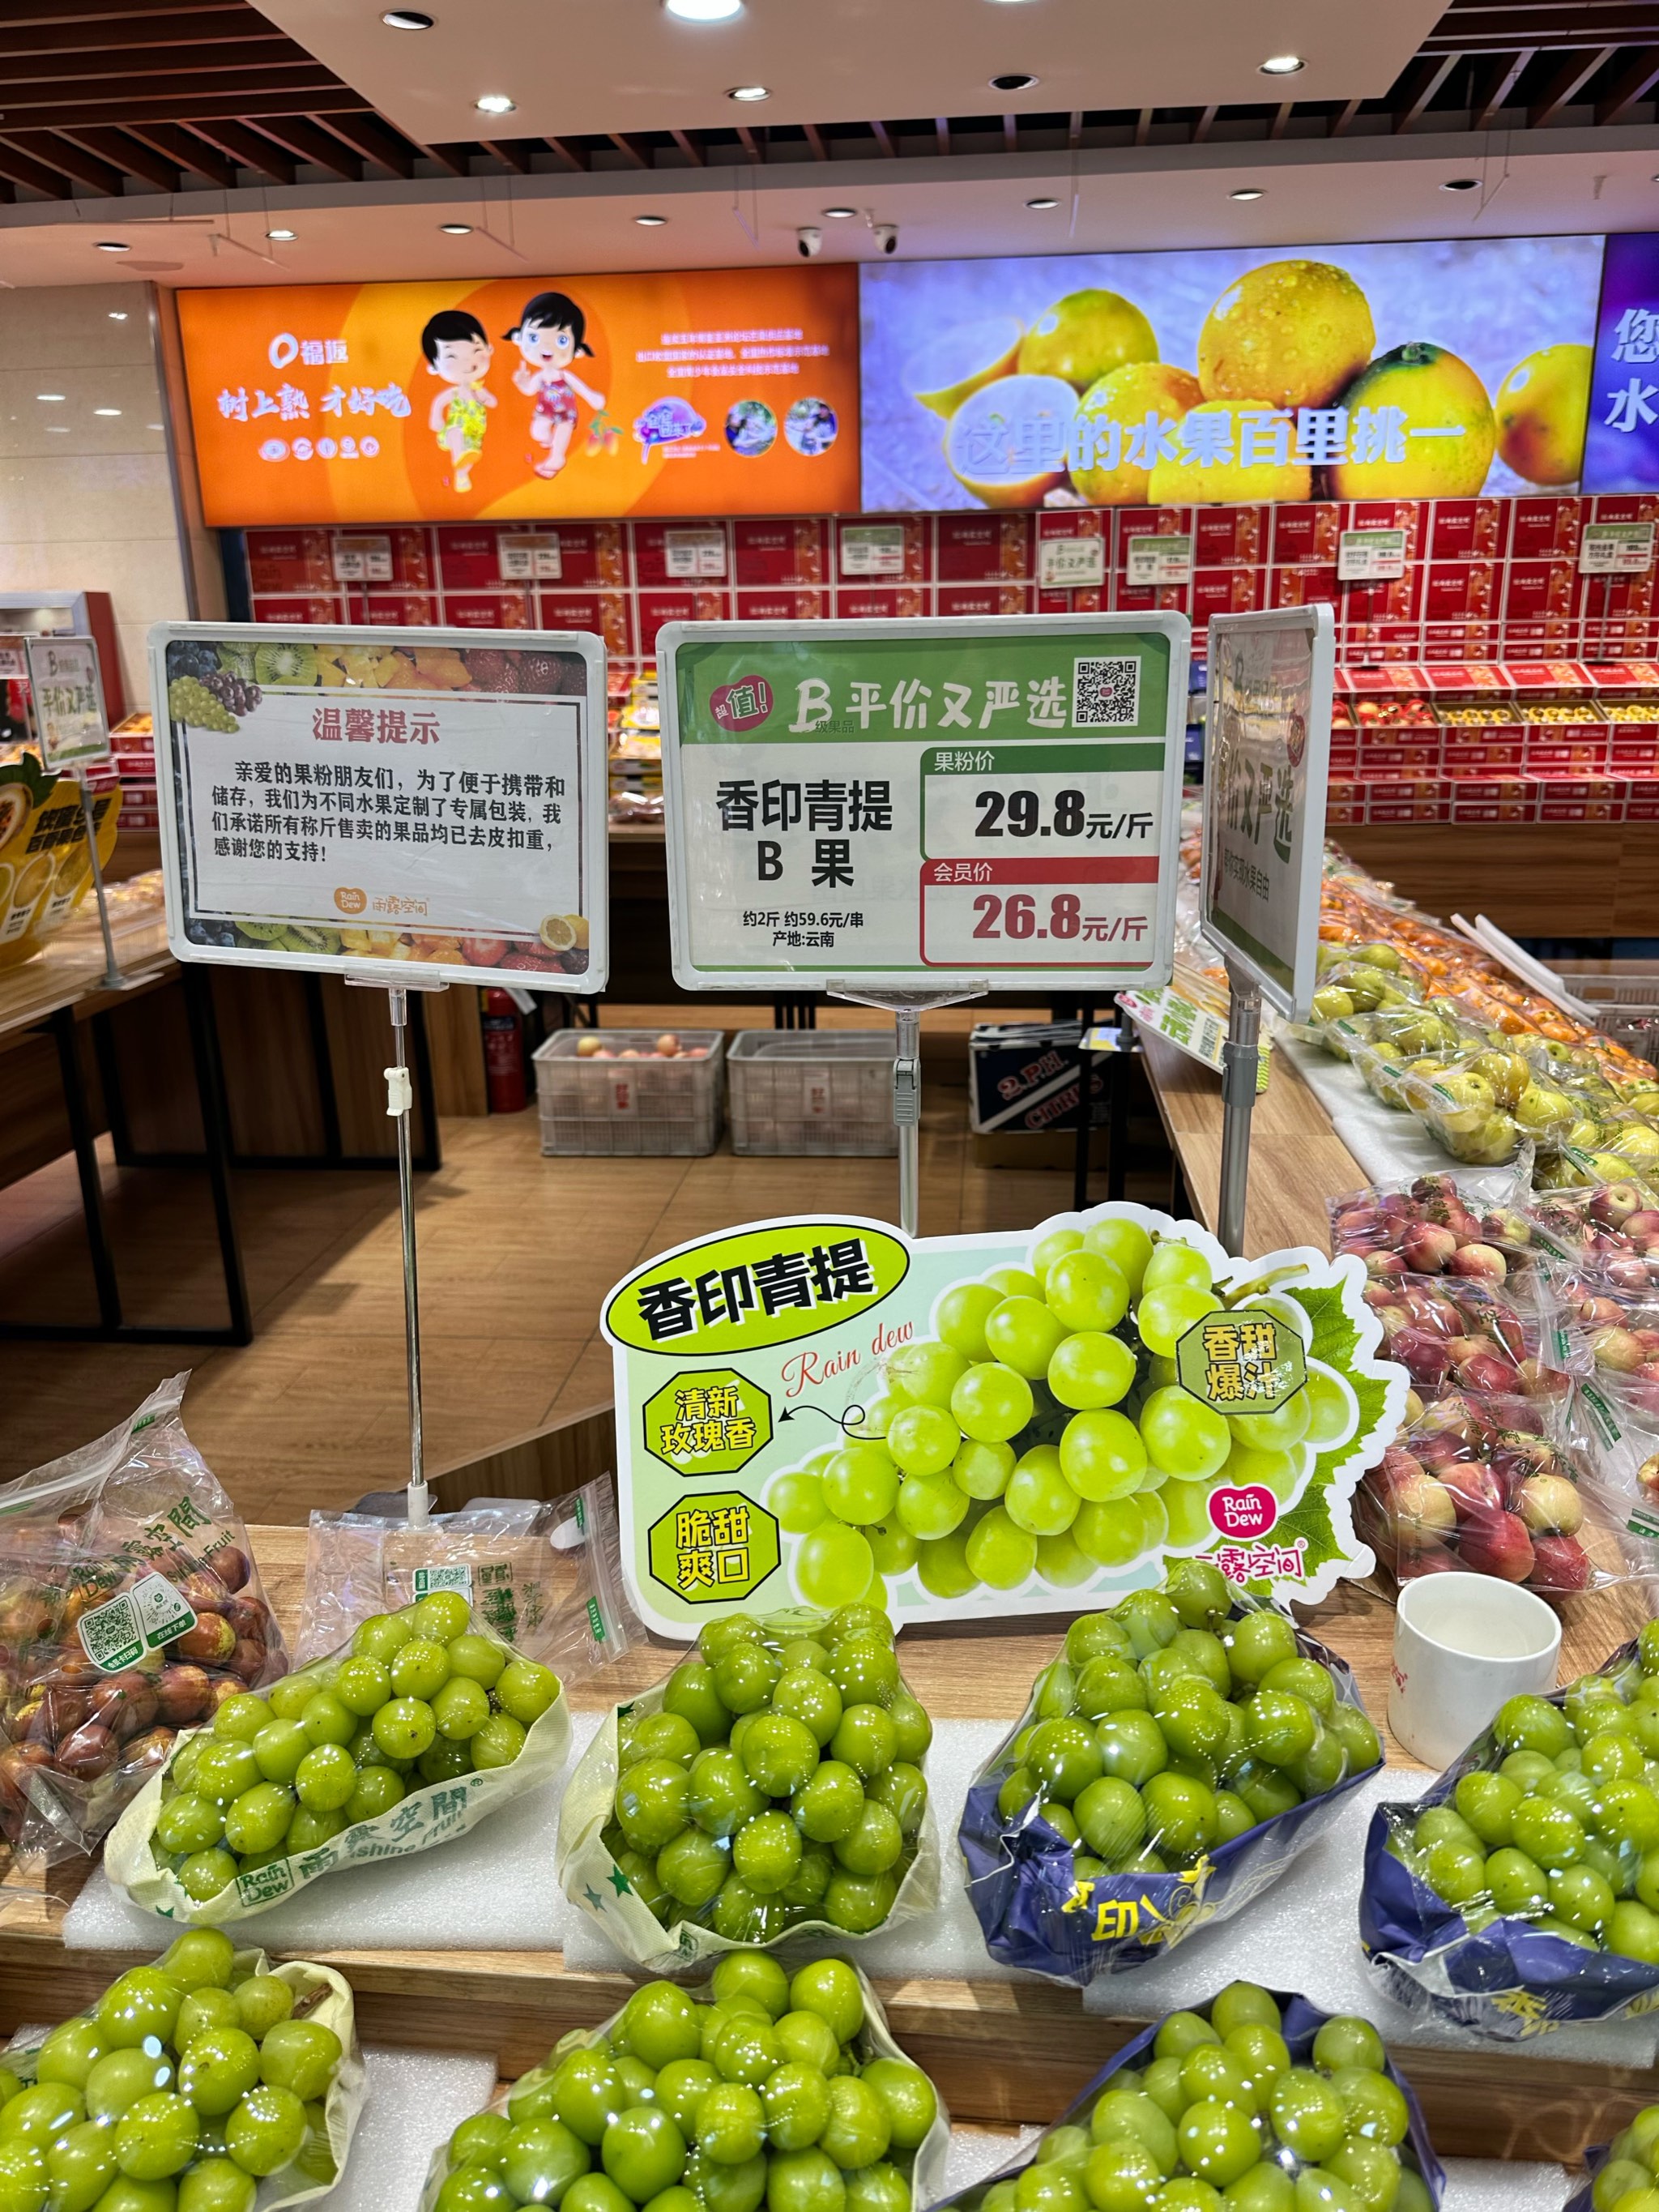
212, 2077
1617, 2173
1620, 1329
1455, 1332
1606, 1232
545, 1575
425, 1723
1436, 1225
773, 1785
1258, 2102
1521, 1890
1465, 1107
759, 2086
130, 1609
1181, 1751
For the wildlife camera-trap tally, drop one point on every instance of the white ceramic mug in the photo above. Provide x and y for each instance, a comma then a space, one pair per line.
1463, 1644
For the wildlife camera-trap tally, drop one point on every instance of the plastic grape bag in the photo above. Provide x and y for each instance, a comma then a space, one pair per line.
921, 2171
430, 1813
1071, 2137
544, 1575
587, 1867
320, 1994
1505, 1979
1039, 1913
130, 1606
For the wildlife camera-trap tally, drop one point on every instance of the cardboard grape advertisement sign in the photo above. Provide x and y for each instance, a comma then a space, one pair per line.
818, 1410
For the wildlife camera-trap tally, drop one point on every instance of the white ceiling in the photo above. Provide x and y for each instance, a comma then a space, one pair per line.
541, 226
590, 65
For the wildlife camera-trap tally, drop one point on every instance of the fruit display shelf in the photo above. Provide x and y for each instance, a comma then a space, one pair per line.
1001, 2051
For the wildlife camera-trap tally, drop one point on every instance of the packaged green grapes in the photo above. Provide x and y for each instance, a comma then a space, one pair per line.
774, 1785
212, 2079
1181, 1752
1258, 2103
425, 1723
1619, 2172
762, 2085
1521, 1892
826, 1413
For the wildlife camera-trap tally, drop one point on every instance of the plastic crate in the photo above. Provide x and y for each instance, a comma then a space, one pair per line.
612, 1108
1626, 1006
813, 1093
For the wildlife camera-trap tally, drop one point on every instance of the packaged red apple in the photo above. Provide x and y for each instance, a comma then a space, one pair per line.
130, 1609
422, 1725
1620, 1331
1605, 1232
1436, 1225
1454, 1332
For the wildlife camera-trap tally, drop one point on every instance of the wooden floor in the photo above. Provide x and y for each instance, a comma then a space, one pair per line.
516, 1253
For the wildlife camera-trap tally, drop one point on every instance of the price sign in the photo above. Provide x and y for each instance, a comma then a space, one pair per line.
694, 552
1267, 757
13, 659
432, 807
530, 560
1160, 561
952, 798
1615, 549
69, 700
1069, 563
872, 549
362, 560
1370, 556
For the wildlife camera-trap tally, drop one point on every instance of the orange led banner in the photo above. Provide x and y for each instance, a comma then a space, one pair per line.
722, 391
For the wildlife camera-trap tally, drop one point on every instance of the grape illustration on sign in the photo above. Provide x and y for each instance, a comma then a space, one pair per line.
973, 1427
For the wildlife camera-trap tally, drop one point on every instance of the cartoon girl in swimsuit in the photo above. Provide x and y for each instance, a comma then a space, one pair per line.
459, 354
550, 334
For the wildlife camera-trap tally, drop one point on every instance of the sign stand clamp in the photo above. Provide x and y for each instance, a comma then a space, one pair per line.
907, 1008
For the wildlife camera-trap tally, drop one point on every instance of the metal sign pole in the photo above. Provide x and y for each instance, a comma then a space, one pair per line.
112, 976
1240, 1065
907, 1008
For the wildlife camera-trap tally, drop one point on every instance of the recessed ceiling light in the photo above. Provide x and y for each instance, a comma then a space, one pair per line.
282, 237
651, 222
1014, 81
1461, 184
113, 246
1282, 65
1245, 192
703, 11
750, 92
1043, 204
106, 411
52, 399
494, 103
456, 229
405, 19
118, 314
846, 214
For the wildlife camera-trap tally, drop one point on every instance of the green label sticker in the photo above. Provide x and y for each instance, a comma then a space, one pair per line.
756, 1287
141, 1620
1242, 1362
713, 1552
458, 1578
708, 1424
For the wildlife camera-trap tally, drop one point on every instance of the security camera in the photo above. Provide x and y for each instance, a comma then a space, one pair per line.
809, 238
886, 235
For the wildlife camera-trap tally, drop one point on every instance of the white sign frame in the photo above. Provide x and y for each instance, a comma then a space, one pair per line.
1318, 622
877, 551
72, 757
827, 970
1056, 554
1370, 556
593, 829
695, 555
1152, 562
1609, 539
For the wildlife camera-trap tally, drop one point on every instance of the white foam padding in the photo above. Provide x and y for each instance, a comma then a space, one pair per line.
492, 1889
1304, 1936
416, 2101
942, 1946
1390, 1147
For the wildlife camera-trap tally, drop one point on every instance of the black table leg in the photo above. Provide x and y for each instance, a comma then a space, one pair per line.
216, 1138
85, 1144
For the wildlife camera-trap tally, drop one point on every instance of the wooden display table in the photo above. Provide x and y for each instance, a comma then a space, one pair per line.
1002, 2052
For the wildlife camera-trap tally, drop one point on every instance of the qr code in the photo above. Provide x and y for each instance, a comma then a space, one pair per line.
1106, 694
109, 1635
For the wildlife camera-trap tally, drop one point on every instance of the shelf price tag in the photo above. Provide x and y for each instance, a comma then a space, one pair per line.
69, 700
904, 802
1160, 561
362, 560
530, 560
872, 549
1071, 563
694, 553
1615, 549
1370, 556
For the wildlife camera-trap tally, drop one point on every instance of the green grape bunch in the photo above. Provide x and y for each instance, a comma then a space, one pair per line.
776, 2091
420, 1697
186, 2086
1560, 1824
780, 1781
1626, 2179
1040, 1439
1168, 1727
1219, 2114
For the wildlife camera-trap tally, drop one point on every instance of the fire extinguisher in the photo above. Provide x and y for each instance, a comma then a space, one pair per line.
503, 1040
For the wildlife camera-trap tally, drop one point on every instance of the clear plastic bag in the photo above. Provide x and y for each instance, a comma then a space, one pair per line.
1456, 1333
1473, 1225
545, 1575
130, 1609
1606, 1232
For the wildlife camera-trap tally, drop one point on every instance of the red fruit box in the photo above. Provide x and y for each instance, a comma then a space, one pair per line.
1138, 599
490, 609
1301, 588
283, 561
1408, 800
469, 559
314, 608
1633, 749
1305, 535
1592, 798
976, 548
878, 602
918, 564
1575, 747
983, 598
1541, 526
1345, 802
395, 610
691, 603
1086, 599
591, 553
1226, 592
1642, 799
1508, 799
781, 605
651, 548
1479, 752
1468, 529
1460, 591
790, 551
1389, 752
1624, 507
1230, 537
